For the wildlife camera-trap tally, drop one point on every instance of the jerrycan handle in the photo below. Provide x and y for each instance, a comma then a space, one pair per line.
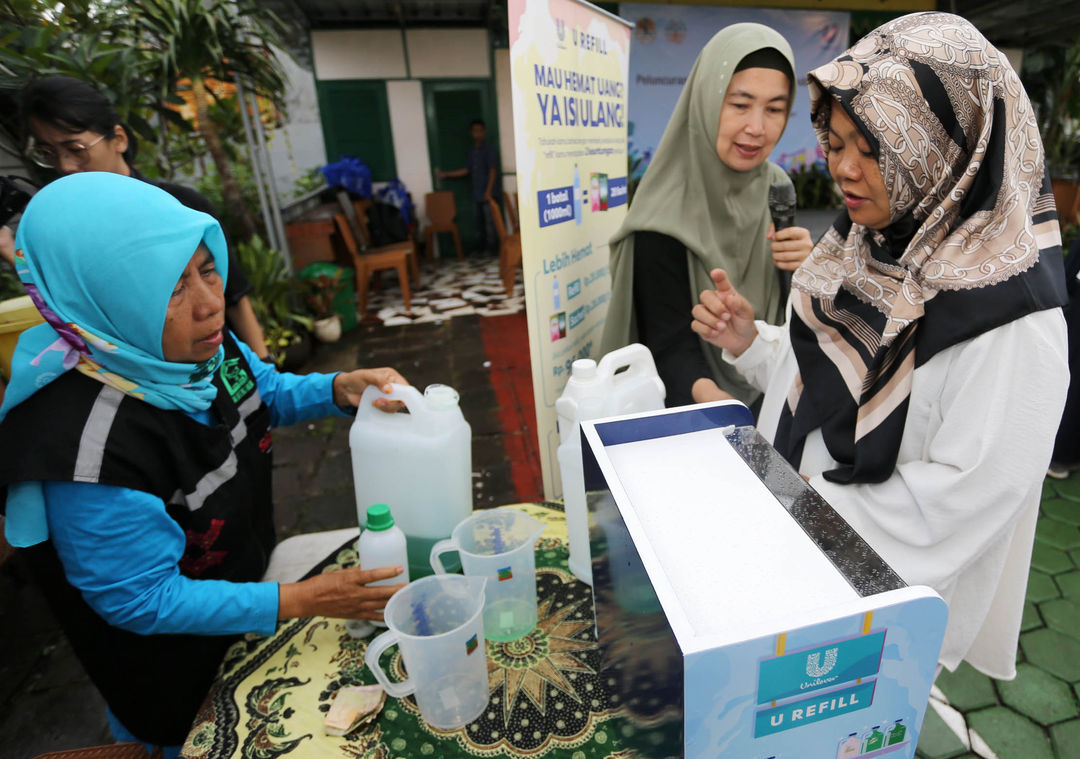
437, 550
371, 659
636, 357
407, 394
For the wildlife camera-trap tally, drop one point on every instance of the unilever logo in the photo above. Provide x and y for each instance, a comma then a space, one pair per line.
560, 29
814, 667
822, 666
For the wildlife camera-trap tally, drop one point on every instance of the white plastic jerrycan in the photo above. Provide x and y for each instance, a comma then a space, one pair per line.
624, 382
437, 624
420, 462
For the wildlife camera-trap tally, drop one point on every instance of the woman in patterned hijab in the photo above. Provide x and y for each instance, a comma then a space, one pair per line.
921, 374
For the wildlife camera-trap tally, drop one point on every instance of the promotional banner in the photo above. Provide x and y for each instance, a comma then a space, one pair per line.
569, 63
667, 40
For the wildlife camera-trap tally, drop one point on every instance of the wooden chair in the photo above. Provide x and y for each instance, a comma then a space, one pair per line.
511, 209
369, 261
441, 212
509, 249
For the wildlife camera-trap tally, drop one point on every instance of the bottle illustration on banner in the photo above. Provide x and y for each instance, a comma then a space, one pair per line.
873, 739
577, 195
896, 733
556, 297
850, 747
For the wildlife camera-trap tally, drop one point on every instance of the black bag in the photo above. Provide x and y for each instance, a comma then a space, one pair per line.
386, 224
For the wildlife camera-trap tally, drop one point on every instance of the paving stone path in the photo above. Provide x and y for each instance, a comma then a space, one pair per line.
1035, 716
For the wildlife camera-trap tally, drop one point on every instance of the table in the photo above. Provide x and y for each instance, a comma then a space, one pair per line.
312, 237
550, 694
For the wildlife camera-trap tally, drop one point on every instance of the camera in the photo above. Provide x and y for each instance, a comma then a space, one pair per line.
12, 199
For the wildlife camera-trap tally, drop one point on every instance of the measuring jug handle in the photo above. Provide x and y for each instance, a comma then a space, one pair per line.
371, 659
437, 550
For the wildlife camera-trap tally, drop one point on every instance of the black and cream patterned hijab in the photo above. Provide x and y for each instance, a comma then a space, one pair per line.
973, 241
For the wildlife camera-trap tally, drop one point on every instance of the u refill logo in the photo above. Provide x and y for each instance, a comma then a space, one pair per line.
814, 667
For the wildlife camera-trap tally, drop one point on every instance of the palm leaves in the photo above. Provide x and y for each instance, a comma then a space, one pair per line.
199, 40
141, 54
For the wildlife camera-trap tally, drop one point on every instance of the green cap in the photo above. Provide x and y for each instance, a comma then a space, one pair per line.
379, 517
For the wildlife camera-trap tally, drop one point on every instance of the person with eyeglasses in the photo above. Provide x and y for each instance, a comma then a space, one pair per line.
74, 128
135, 452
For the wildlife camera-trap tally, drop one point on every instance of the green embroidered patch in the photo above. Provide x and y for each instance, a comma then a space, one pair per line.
237, 382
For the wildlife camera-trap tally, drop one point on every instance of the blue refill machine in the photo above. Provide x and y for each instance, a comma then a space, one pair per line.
740, 616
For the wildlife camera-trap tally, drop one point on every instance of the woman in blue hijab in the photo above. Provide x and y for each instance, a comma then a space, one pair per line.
135, 450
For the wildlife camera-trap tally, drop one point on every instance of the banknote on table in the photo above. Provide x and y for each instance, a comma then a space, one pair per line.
354, 706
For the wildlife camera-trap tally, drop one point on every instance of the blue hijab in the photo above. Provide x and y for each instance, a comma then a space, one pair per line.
100, 255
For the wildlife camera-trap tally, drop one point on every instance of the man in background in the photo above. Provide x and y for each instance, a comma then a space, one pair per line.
482, 165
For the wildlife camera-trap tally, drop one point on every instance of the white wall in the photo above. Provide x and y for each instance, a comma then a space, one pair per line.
406, 102
443, 53
298, 146
403, 63
358, 54
505, 107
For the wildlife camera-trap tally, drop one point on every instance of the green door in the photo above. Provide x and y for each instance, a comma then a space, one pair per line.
356, 122
450, 107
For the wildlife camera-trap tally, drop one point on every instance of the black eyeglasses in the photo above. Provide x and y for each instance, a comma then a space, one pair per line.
48, 156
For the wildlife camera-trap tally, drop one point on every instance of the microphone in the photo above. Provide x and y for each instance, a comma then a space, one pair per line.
782, 210
782, 204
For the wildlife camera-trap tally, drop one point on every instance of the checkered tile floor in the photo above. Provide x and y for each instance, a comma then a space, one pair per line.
453, 288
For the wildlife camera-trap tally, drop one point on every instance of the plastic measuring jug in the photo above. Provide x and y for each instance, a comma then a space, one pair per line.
420, 463
624, 382
437, 625
498, 544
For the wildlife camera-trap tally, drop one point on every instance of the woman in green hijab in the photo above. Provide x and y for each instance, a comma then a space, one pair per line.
703, 204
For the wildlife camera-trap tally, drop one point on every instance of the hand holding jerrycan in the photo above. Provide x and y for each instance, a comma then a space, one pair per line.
437, 625
420, 463
499, 545
624, 382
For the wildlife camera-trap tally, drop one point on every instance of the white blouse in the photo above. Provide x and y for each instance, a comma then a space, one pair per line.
959, 511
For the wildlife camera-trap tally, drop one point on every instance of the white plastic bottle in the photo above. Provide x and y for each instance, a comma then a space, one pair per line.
582, 399
382, 544
624, 382
420, 462
635, 384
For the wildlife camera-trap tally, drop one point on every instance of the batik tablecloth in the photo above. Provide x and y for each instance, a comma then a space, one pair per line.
548, 696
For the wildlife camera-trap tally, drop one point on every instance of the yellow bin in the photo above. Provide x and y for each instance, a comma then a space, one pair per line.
16, 315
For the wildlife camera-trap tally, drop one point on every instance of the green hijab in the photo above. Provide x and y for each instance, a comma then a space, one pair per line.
720, 215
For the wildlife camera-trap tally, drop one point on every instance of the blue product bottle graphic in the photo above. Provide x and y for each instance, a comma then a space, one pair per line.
577, 196
555, 293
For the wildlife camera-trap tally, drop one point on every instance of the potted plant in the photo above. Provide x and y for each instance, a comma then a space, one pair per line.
1052, 78
274, 300
321, 292
290, 348
814, 186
